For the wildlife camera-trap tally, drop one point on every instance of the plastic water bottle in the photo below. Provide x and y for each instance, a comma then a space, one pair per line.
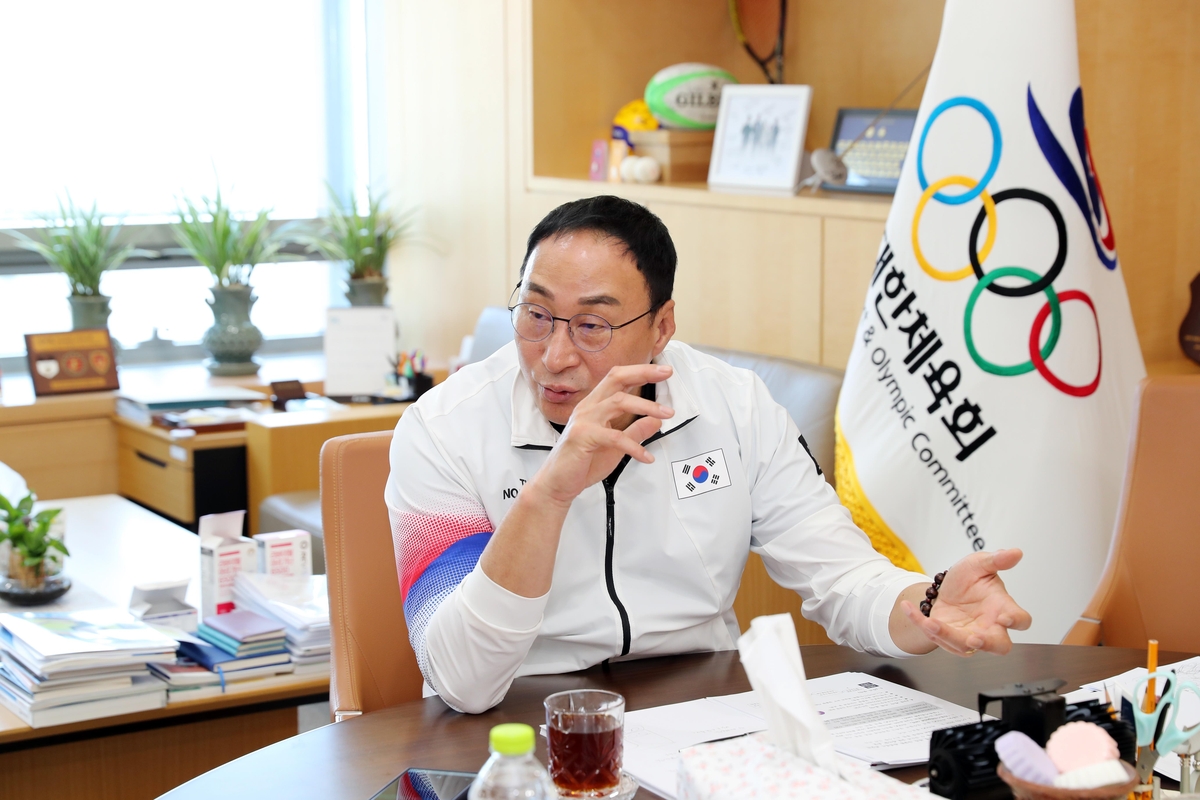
512, 773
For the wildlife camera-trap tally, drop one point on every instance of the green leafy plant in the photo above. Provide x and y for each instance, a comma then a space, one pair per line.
229, 247
29, 536
361, 241
78, 243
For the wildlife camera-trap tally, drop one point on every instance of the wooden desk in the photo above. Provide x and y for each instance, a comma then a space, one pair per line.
66, 446
283, 451
352, 760
114, 544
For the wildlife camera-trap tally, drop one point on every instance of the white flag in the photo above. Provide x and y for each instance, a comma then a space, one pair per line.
988, 397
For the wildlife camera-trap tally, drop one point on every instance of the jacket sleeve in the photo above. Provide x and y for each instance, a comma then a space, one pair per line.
469, 634
810, 544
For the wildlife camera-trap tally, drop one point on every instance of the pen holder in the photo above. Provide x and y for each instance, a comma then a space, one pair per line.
421, 382
1024, 790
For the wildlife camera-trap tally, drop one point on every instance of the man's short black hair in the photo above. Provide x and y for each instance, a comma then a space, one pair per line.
643, 235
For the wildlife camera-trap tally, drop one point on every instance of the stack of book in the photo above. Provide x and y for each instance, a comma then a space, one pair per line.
301, 604
233, 648
57, 668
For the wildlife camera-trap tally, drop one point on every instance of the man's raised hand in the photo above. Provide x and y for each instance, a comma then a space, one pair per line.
593, 442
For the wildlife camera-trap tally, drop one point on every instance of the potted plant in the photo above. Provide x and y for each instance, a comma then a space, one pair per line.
78, 243
361, 242
34, 554
230, 248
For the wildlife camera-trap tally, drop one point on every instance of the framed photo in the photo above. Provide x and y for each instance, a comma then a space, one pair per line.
759, 142
873, 166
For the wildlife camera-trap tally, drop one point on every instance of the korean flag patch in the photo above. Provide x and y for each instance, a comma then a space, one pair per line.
703, 473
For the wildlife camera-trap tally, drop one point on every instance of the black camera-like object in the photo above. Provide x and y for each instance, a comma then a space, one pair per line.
963, 760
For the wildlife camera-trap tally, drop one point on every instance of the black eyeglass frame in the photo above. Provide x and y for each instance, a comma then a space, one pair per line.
570, 330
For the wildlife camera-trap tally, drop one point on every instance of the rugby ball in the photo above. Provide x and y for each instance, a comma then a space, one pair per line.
687, 96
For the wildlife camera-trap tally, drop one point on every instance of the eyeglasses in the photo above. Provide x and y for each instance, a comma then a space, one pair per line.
589, 332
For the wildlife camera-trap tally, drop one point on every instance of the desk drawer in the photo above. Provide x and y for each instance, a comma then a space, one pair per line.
148, 444
153, 478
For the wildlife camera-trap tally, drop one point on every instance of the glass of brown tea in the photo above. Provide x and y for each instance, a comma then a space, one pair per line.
585, 729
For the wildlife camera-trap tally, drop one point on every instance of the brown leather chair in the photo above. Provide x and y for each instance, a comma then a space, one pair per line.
373, 663
1151, 583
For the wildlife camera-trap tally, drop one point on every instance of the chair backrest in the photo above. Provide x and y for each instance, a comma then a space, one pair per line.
809, 392
493, 330
1151, 583
373, 662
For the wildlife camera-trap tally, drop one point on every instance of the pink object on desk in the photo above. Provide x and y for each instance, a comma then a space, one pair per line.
1080, 744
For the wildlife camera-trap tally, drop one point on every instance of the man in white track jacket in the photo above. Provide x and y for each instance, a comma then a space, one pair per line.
591, 491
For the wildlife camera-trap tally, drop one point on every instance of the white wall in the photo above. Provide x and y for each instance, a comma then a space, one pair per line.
445, 103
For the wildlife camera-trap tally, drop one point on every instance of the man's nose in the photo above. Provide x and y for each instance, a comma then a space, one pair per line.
561, 352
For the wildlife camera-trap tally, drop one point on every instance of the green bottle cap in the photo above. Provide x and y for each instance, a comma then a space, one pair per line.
511, 739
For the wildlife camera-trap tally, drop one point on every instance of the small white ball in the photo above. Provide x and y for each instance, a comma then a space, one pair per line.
628, 164
647, 170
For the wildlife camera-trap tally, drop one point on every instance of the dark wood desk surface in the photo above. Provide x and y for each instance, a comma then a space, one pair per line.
356, 758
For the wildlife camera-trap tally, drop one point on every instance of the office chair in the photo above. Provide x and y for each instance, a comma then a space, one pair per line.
1151, 582
373, 663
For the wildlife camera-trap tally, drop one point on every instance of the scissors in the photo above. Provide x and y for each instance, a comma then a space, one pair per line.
1160, 731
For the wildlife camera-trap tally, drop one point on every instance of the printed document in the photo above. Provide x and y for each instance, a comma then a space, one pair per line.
872, 720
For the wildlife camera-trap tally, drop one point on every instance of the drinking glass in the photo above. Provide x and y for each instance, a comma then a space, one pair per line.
585, 728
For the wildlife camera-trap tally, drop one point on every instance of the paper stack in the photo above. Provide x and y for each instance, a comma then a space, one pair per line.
57, 667
243, 633
301, 604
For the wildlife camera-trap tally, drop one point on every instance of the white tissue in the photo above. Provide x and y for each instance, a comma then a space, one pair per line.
771, 656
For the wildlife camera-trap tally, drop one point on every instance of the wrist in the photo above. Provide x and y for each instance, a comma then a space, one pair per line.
540, 495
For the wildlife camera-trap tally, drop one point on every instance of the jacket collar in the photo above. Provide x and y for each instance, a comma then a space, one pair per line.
531, 429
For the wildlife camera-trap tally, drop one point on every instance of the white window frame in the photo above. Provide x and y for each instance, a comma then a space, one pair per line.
338, 17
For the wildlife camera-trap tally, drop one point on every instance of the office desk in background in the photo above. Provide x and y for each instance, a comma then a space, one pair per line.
114, 544
354, 759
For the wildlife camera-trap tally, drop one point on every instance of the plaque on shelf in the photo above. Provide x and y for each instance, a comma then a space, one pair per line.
73, 361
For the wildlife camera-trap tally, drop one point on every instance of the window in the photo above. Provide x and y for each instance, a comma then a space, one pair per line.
133, 104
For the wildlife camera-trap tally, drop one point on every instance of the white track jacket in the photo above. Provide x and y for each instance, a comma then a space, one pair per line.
649, 560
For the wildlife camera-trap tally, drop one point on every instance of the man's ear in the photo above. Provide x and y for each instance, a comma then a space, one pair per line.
664, 326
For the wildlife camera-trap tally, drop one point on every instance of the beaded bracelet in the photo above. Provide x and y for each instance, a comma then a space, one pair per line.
931, 593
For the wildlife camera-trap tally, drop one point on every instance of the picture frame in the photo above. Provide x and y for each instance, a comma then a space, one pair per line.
874, 165
759, 143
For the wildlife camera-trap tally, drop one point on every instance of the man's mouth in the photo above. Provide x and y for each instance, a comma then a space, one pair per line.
558, 394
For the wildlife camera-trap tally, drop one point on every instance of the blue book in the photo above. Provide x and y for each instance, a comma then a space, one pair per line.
211, 657
236, 648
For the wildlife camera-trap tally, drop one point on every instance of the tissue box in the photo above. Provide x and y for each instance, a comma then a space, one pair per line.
285, 553
750, 767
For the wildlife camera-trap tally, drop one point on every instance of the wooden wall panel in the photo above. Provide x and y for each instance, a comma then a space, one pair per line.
850, 249
747, 280
858, 53
63, 459
590, 58
1140, 70
140, 765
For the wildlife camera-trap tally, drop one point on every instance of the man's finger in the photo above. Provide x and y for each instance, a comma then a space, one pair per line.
621, 440
643, 428
620, 379
1003, 559
622, 403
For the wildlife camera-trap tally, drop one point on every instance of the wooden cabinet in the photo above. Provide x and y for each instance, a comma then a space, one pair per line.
181, 478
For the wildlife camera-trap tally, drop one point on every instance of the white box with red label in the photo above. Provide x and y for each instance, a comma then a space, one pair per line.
285, 553
224, 552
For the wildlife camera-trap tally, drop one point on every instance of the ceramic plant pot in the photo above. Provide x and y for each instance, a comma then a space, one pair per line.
366, 291
233, 338
89, 311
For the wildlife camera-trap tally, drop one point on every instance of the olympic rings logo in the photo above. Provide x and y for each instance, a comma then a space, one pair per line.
977, 255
